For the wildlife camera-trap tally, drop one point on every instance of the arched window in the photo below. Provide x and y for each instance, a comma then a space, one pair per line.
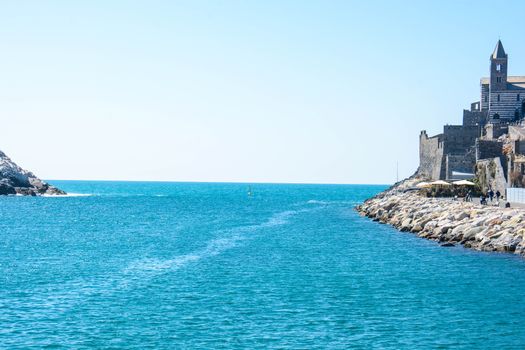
495, 116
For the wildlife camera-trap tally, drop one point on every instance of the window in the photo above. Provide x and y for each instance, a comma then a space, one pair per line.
499, 98
498, 67
498, 79
517, 97
486, 99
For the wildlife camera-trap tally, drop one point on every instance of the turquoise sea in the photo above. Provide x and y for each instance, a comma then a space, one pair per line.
136, 265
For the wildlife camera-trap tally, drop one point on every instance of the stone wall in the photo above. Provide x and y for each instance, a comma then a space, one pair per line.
459, 139
488, 149
474, 117
464, 163
431, 162
493, 131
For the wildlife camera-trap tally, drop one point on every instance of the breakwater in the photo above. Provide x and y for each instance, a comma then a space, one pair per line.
484, 228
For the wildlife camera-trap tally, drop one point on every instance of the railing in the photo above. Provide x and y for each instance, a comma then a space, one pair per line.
516, 195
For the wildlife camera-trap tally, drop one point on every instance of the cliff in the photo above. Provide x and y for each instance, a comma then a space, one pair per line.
485, 228
15, 180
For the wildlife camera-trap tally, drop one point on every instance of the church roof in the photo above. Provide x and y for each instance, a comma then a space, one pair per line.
499, 51
512, 80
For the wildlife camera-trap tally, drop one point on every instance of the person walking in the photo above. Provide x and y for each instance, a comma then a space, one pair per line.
498, 195
490, 194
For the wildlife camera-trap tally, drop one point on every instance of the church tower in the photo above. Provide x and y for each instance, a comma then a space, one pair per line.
498, 69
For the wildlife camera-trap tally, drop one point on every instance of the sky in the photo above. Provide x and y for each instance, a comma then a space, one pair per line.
241, 91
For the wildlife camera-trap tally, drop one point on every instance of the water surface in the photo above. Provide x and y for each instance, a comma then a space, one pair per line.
186, 265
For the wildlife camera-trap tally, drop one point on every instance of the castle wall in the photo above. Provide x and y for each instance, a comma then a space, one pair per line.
474, 117
431, 162
464, 163
459, 139
490, 149
493, 131
486, 149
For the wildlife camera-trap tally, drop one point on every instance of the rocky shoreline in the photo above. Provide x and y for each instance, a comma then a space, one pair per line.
484, 228
16, 181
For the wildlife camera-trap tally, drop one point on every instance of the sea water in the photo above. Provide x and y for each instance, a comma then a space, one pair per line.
132, 265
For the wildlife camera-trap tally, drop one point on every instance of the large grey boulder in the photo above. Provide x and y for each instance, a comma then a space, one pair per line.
15, 180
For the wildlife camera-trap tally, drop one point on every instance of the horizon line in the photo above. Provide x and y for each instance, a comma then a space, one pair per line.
225, 182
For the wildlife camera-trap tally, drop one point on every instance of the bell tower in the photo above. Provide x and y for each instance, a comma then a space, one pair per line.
498, 69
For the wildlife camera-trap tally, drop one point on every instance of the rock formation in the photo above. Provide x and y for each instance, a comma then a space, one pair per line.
15, 180
486, 228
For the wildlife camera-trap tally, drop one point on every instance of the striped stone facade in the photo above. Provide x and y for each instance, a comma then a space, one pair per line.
506, 103
502, 96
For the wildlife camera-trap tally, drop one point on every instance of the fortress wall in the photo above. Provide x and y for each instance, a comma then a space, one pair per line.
459, 139
465, 163
431, 162
490, 149
486, 149
493, 131
474, 117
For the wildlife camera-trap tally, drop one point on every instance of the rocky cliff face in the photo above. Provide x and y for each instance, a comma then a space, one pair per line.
15, 180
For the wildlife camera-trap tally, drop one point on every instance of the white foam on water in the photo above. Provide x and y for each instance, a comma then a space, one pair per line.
213, 247
315, 201
68, 195
336, 202
141, 271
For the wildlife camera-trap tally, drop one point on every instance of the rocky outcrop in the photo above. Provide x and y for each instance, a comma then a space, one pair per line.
449, 222
15, 180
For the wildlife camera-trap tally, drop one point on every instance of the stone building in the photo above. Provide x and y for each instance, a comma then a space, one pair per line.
502, 96
454, 153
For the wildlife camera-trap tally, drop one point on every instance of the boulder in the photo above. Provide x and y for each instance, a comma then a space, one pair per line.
446, 221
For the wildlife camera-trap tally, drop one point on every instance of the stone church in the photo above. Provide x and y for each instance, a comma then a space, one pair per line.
454, 153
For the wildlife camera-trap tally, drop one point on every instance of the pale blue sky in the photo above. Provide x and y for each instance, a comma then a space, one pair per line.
266, 91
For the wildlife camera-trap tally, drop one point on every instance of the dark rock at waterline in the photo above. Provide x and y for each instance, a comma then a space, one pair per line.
15, 180
6, 189
447, 244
